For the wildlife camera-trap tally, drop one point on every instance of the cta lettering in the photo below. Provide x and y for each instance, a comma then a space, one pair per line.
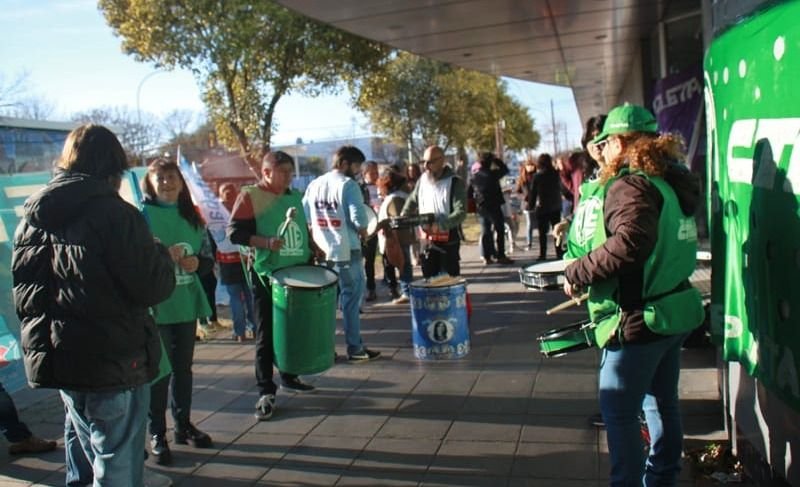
677, 94
782, 137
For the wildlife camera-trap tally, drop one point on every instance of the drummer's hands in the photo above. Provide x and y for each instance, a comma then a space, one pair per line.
318, 253
189, 263
176, 252
432, 228
560, 230
572, 290
274, 243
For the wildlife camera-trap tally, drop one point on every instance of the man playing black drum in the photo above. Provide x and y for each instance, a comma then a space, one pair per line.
259, 220
440, 192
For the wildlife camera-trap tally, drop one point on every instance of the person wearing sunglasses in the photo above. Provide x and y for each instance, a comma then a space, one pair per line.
441, 193
635, 238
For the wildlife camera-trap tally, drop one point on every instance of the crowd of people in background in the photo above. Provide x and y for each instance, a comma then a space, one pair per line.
131, 288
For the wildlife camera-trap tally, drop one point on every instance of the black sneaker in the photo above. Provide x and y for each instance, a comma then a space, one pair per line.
597, 420
265, 407
296, 385
364, 355
371, 296
159, 448
190, 434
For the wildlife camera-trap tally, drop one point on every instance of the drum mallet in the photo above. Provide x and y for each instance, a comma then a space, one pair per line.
568, 303
289, 217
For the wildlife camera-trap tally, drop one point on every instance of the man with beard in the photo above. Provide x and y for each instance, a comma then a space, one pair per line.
334, 209
440, 192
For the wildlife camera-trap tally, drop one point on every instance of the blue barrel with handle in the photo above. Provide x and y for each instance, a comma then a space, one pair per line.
440, 318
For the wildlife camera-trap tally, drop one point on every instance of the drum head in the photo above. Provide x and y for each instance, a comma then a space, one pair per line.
551, 267
440, 281
305, 276
372, 220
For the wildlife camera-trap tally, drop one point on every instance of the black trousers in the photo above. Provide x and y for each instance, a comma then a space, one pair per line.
209, 282
492, 227
265, 354
544, 222
370, 249
178, 341
441, 257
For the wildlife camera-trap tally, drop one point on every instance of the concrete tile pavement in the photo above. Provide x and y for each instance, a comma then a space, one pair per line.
501, 416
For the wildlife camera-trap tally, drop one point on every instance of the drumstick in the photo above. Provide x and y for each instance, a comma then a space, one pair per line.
289, 217
566, 304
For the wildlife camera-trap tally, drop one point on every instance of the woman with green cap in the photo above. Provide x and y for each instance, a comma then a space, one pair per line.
640, 240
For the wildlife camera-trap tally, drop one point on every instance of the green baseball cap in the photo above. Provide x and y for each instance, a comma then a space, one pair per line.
627, 118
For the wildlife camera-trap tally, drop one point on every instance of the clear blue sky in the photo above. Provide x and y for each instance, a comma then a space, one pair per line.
75, 63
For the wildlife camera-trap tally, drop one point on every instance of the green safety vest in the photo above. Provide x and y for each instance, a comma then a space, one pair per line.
269, 210
671, 305
587, 231
188, 301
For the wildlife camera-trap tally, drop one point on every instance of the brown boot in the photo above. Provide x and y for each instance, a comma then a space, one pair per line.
32, 444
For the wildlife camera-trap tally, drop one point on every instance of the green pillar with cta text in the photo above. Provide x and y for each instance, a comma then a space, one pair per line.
753, 112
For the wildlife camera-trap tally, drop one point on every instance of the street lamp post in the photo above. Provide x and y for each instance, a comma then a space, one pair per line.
139, 93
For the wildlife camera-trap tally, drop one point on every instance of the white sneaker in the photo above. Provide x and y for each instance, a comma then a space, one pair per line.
402, 299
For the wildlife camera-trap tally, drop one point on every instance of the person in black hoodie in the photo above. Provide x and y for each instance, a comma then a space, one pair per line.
489, 200
544, 197
86, 269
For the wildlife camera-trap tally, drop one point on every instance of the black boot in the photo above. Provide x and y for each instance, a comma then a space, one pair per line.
159, 448
189, 434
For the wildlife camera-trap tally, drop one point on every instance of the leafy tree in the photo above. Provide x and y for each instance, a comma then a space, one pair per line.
245, 55
138, 133
313, 165
500, 107
417, 102
194, 144
399, 98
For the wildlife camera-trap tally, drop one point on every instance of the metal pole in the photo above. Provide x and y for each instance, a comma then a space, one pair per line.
555, 130
139, 92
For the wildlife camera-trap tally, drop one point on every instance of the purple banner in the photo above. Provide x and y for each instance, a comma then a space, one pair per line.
678, 106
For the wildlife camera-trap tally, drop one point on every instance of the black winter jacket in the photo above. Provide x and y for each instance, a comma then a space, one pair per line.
86, 268
486, 186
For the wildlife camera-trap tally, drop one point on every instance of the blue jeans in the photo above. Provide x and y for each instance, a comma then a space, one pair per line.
241, 302
351, 289
636, 377
104, 436
530, 224
407, 272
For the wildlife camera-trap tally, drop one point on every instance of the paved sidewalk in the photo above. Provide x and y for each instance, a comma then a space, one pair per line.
502, 416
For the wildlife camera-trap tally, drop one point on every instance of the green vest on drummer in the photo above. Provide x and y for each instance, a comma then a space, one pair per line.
672, 306
188, 301
270, 213
587, 231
